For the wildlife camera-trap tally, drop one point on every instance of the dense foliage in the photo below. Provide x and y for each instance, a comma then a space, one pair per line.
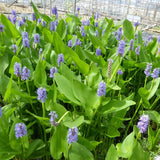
75, 89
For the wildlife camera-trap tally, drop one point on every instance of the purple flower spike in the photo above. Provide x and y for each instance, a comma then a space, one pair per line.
82, 28
78, 9
155, 73
24, 19
136, 24
121, 48
88, 22
96, 16
43, 23
39, 21
76, 14
78, 42
13, 19
14, 13
56, 22
53, 70
33, 17
60, 59
15, 48
72, 135
1, 28
148, 69
83, 34
42, 94
17, 69
53, 117
52, 28
54, 11
137, 50
20, 130
0, 111
101, 89
143, 123
25, 73
119, 72
70, 43
131, 47
119, 34
97, 33
136, 36
26, 42
25, 35
98, 51
83, 22
96, 24
20, 23
36, 38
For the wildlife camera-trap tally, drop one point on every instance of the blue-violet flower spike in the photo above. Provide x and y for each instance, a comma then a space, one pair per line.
60, 59
143, 123
72, 135
42, 94
17, 69
101, 89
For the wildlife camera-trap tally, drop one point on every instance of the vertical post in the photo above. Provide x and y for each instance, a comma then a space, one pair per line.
74, 7
91, 7
155, 11
127, 9
50, 6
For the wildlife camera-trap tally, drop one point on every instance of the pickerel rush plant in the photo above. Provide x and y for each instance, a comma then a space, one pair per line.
77, 89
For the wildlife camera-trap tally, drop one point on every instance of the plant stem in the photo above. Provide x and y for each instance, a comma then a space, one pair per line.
63, 116
140, 102
30, 95
43, 107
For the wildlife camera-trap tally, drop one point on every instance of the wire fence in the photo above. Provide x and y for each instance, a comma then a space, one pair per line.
143, 11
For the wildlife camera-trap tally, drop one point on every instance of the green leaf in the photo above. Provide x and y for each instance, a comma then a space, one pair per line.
4, 63
58, 143
60, 47
112, 153
90, 145
94, 76
152, 87
140, 40
61, 29
48, 36
127, 145
139, 153
151, 137
65, 87
79, 152
107, 31
5, 145
40, 76
37, 13
83, 93
143, 92
76, 122
115, 106
9, 28
34, 146
128, 30
97, 43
